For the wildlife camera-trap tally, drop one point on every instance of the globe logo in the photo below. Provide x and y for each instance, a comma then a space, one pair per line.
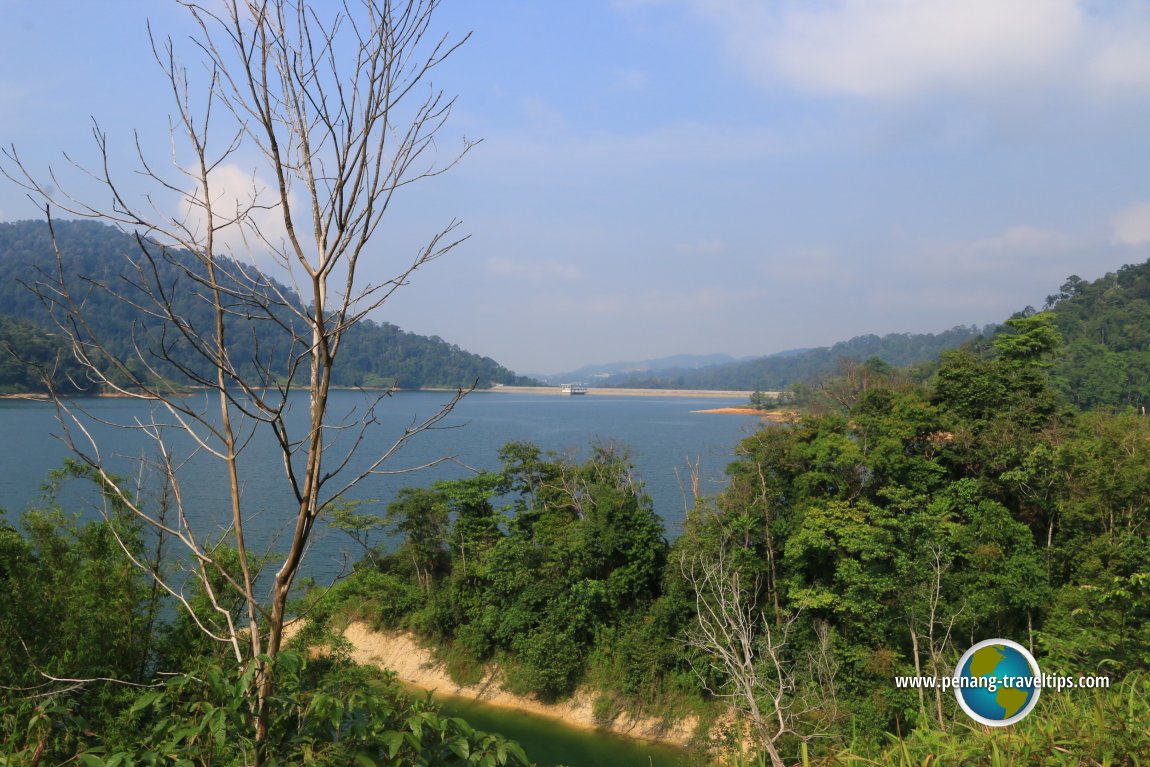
997, 682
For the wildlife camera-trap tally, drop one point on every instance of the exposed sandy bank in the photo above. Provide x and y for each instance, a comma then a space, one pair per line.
775, 416
414, 664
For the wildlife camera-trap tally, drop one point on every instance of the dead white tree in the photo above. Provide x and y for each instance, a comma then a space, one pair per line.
746, 650
327, 111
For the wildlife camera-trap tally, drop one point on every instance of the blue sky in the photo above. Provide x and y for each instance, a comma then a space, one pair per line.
696, 176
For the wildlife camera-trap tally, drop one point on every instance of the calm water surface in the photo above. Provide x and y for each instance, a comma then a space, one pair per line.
549, 743
662, 433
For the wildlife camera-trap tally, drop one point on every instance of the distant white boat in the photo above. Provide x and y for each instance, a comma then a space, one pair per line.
572, 389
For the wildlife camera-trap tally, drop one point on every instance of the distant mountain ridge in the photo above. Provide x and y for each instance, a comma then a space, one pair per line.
599, 371
779, 371
374, 355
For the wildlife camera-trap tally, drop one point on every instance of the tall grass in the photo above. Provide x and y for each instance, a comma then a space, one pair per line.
1091, 728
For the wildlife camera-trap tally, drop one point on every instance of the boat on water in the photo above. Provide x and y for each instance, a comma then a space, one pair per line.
572, 389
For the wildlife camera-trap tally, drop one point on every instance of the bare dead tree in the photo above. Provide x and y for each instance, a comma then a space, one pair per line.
690, 500
327, 114
745, 648
939, 627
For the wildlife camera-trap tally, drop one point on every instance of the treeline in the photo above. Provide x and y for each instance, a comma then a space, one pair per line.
781, 371
29, 356
113, 273
880, 536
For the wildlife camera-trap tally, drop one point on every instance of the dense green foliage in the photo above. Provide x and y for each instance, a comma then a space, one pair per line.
572, 565
1106, 327
101, 263
911, 521
781, 371
29, 356
879, 536
97, 668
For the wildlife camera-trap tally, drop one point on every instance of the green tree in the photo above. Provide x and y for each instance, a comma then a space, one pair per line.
421, 516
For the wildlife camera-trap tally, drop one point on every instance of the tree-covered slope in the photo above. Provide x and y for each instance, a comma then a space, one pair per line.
95, 257
28, 354
1105, 327
780, 371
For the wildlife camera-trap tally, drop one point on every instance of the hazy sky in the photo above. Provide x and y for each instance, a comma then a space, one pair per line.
695, 176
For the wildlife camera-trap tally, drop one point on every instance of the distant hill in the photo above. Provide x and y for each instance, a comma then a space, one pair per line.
779, 371
1104, 359
375, 354
600, 371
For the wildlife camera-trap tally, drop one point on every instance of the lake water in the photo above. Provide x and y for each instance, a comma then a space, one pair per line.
549, 743
662, 433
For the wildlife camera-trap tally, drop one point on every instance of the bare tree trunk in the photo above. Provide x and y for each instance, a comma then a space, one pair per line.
937, 645
918, 669
744, 649
768, 521
328, 103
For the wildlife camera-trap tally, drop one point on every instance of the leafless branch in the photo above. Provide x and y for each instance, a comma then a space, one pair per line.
329, 113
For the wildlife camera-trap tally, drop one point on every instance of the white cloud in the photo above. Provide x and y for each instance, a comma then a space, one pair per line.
548, 270
233, 190
1132, 225
1119, 59
891, 49
1023, 240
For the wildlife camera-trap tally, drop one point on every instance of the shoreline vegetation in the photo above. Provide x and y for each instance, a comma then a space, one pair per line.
416, 666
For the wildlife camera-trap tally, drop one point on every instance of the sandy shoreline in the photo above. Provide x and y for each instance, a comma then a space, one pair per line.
774, 416
413, 664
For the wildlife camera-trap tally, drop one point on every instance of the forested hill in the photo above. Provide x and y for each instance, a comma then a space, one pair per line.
1105, 327
374, 355
779, 371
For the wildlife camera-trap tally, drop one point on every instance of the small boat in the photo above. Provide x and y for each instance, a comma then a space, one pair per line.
572, 389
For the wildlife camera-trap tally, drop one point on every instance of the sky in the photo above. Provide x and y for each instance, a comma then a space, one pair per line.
659, 177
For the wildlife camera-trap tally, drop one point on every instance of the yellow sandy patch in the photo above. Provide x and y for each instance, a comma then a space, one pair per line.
414, 664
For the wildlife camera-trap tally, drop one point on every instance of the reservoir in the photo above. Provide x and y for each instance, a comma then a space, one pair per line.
661, 433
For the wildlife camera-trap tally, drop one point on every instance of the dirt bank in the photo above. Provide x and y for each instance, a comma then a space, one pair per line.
775, 416
412, 663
